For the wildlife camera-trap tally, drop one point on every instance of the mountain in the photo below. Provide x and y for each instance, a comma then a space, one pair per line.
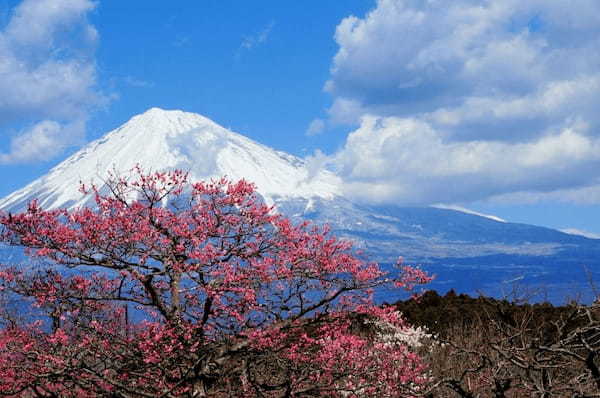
159, 140
469, 252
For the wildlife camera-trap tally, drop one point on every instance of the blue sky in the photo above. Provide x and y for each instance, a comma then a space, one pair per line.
491, 106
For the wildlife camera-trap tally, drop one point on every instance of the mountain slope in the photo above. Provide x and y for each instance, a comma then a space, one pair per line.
158, 140
469, 252
426, 234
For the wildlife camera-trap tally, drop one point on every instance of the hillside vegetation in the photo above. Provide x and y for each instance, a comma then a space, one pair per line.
485, 347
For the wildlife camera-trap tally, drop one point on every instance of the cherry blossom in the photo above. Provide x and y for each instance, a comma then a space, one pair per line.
168, 288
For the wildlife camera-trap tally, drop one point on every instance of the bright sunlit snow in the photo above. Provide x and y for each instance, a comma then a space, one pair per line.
164, 140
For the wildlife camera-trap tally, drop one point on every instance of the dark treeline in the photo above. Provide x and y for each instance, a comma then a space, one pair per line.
485, 347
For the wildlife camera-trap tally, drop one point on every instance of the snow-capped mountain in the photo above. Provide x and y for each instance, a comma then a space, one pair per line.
468, 251
160, 140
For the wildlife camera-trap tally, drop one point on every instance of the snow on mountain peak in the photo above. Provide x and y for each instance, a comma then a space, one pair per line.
167, 139
157, 120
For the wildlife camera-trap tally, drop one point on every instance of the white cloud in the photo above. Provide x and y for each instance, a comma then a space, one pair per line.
345, 111
252, 41
407, 160
584, 194
41, 142
135, 82
37, 22
468, 100
47, 76
315, 127
315, 163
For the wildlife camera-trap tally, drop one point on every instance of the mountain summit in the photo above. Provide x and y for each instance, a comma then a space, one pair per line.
161, 140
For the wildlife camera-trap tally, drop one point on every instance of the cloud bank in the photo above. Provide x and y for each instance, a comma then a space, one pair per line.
47, 78
469, 100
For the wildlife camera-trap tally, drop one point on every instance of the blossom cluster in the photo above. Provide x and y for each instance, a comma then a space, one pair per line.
196, 289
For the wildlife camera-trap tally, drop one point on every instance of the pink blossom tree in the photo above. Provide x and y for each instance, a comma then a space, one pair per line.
167, 288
